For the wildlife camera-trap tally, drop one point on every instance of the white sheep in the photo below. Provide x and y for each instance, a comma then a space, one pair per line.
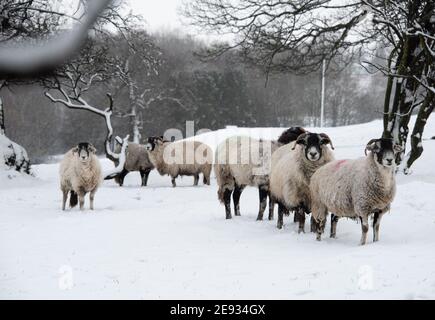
356, 188
241, 161
80, 173
292, 170
182, 158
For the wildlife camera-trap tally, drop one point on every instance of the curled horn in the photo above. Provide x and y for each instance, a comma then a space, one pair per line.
325, 136
299, 139
368, 144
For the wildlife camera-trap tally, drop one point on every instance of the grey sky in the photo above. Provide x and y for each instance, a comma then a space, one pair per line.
159, 14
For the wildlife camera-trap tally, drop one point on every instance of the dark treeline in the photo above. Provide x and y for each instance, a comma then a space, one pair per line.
177, 86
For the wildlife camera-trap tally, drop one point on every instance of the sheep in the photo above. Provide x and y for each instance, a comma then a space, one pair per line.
136, 160
182, 158
356, 188
80, 173
251, 168
291, 173
287, 136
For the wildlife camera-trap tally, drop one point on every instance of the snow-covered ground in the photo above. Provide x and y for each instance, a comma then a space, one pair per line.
160, 242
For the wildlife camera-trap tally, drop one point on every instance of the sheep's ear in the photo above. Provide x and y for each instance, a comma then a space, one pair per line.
372, 145
325, 139
92, 149
397, 148
300, 140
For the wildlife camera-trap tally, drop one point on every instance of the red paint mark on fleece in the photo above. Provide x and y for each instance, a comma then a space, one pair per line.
339, 164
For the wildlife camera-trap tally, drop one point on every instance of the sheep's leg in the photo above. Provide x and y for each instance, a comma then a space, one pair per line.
195, 179
64, 198
301, 218
271, 207
313, 225
296, 216
320, 229
121, 177
376, 222
318, 217
81, 195
281, 210
262, 193
227, 202
236, 199
206, 178
365, 228
173, 182
144, 175
91, 198
334, 221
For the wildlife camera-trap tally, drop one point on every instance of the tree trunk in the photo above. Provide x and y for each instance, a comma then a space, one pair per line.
397, 117
134, 116
135, 124
417, 134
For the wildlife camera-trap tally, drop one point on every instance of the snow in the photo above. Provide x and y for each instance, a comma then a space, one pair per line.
9, 151
160, 242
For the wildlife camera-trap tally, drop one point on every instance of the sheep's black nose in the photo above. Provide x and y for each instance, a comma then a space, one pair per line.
389, 161
313, 154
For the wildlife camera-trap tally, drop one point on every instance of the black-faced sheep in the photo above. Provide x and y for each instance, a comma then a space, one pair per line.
136, 160
182, 158
356, 188
292, 171
80, 173
242, 161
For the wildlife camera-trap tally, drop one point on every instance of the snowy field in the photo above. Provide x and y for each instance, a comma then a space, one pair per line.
159, 242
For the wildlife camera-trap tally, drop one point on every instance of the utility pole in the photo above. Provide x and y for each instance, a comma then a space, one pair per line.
322, 103
2, 118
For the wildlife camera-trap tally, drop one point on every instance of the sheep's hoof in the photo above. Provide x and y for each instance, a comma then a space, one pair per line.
319, 238
228, 217
259, 219
301, 231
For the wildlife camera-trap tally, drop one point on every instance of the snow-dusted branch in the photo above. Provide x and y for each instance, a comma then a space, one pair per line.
121, 159
80, 103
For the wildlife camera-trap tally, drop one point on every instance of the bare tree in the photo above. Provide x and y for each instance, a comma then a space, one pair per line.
135, 64
408, 27
75, 79
282, 35
296, 36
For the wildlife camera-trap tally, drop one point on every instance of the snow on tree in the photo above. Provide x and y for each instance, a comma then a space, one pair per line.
72, 83
12, 155
408, 29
